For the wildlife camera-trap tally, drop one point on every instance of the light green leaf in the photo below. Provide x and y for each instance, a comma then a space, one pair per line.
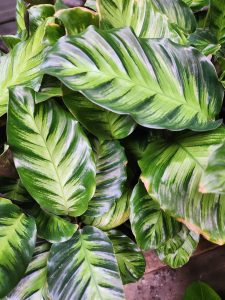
111, 175
131, 261
33, 285
150, 225
54, 162
217, 19
22, 65
159, 83
13, 189
38, 14
84, 266
178, 14
116, 216
177, 251
145, 19
91, 4
17, 240
171, 171
197, 4
200, 291
20, 19
77, 19
213, 180
51, 227
103, 123
204, 41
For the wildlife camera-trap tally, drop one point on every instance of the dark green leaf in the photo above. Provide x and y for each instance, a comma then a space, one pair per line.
38, 14
217, 19
10, 41
159, 83
84, 266
131, 261
13, 189
17, 240
200, 291
55, 163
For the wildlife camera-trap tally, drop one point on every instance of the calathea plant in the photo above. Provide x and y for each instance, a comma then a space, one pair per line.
112, 114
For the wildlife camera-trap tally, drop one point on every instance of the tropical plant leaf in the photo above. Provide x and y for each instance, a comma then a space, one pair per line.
213, 180
91, 4
84, 266
50, 88
177, 251
77, 19
20, 19
10, 41
117, 215
54, 162
196, 4
51, 227
17, 240
131, 261
22, 65
103, 123
200, 291
13, 189
171, 171
110, 72
145, 19
33, 284
38, 14
204, 41
217, 19
178, 14
150, 225
111, 176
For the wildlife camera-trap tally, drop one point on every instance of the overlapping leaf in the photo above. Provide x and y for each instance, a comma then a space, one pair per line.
13, 189
55, 162
159, 83
103, 123
171, 171
143, 16
117, 215
34, 283
84, 266
151, 226
177, 251
17, 240
22, 65
77, 19
110, 177
130, 259
51, 227
217, 19
38, 14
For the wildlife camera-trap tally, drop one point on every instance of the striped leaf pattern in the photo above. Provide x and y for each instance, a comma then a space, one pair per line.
110, 177
130, 259
177, 251
13, 189
171, 171
84, 266
17, 240
217, 19
117, 215
55, 163
33, 285
51, 227
102, 123
213, 179
22, 65
159, 83
150, 225
143, 16
20, 19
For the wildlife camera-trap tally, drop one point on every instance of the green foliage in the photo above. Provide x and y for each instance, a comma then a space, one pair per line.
112, 130
200, 291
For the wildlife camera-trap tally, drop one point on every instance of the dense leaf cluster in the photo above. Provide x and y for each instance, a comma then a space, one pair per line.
112, 114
